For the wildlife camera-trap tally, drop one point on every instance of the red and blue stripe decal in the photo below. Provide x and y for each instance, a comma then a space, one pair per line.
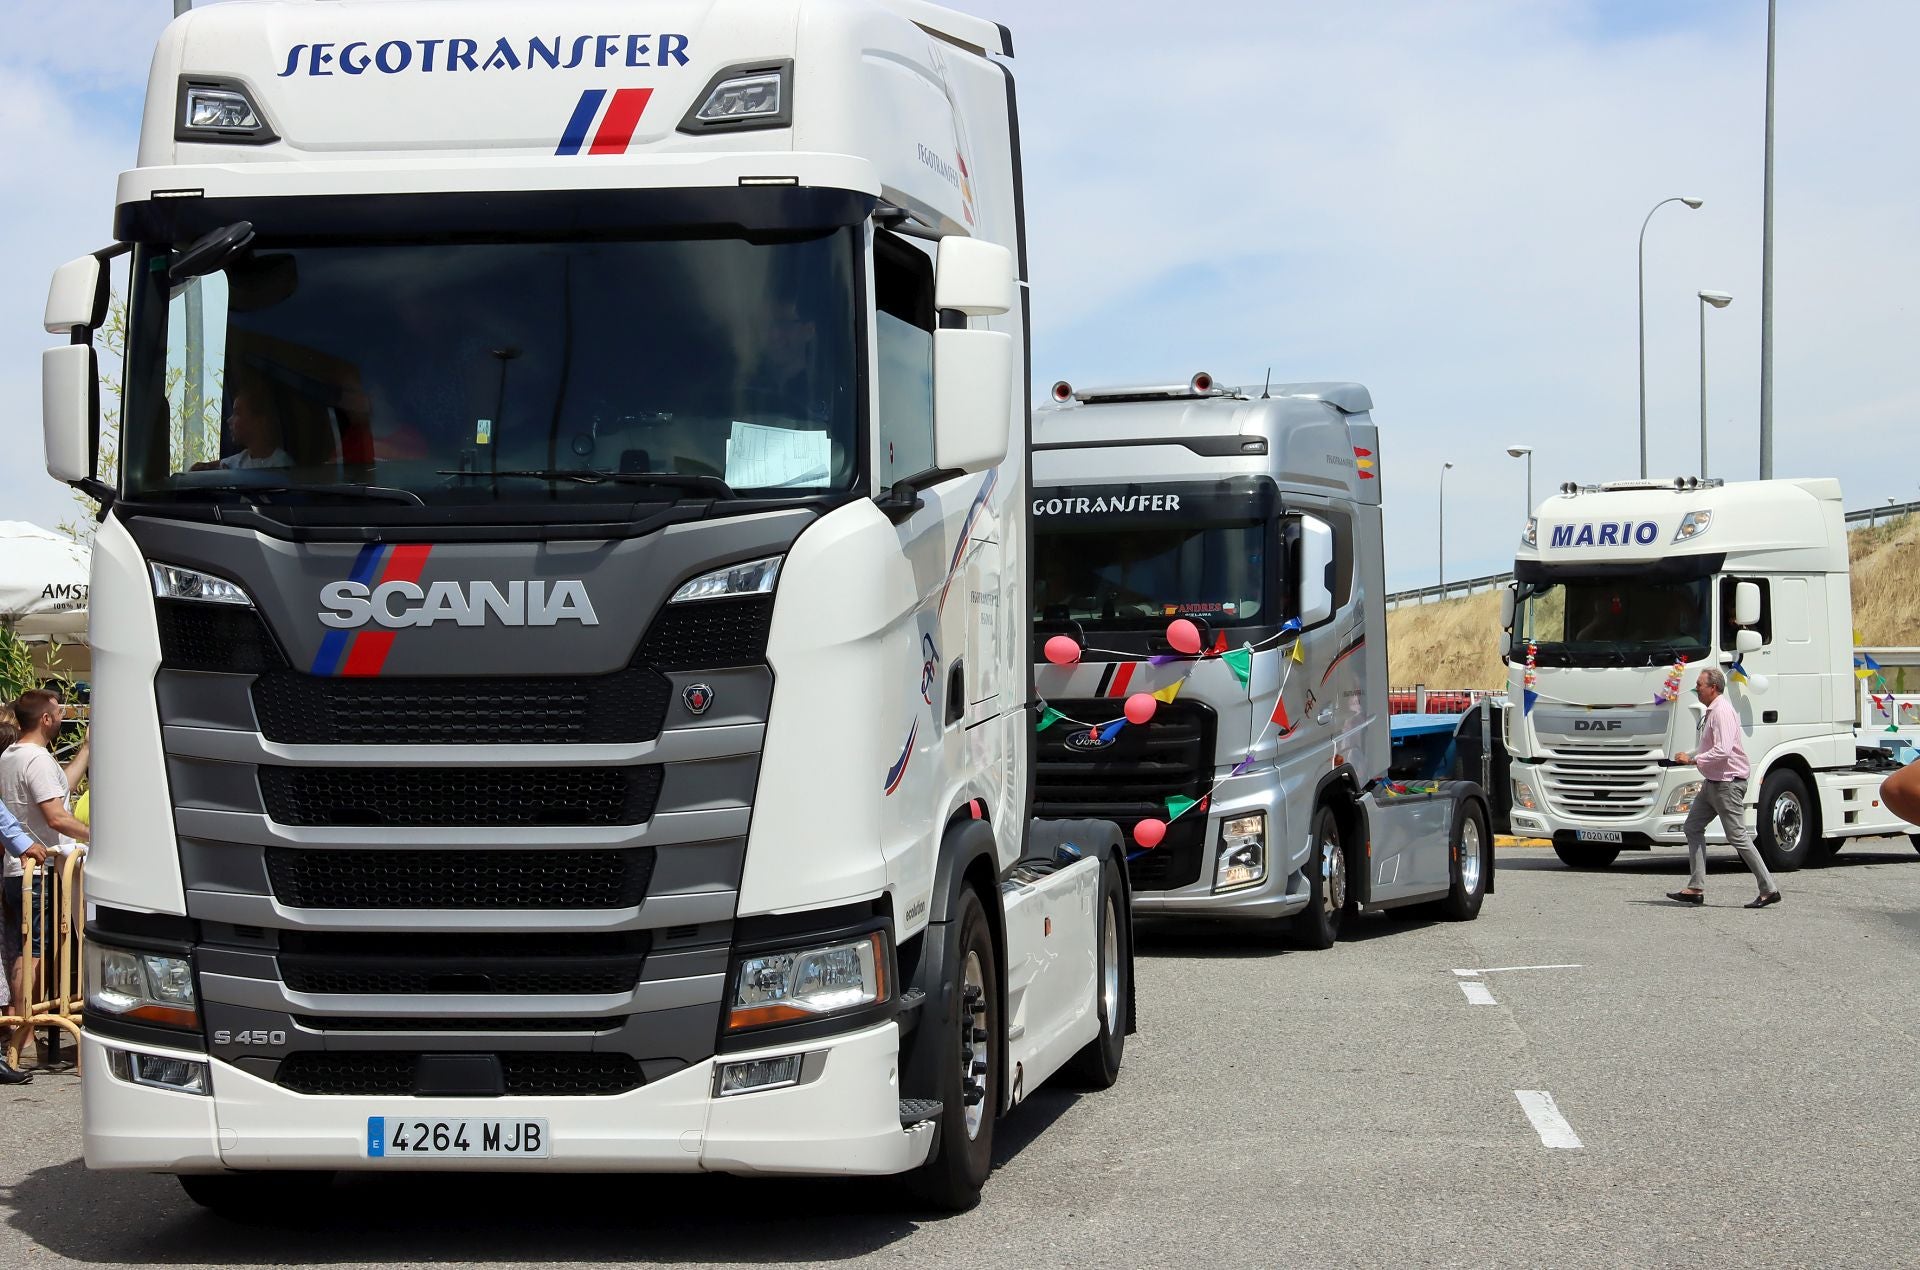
624, 107
364, 653
898, 771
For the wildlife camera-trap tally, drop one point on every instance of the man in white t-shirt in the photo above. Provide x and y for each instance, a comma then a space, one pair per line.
34, 787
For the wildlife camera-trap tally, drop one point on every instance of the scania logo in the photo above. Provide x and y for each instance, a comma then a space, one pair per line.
698, 698
1086, 742
397, 605
1596, 725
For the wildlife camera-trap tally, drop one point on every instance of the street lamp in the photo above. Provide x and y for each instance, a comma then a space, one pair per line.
1719, 300
1444, 469
1695, 204
1525, 452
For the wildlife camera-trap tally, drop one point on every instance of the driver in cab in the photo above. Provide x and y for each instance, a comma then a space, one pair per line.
257, 433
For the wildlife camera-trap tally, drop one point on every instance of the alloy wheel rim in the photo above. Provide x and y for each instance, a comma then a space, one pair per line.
1470, 856
1788, 821
1110, 968
975, 1047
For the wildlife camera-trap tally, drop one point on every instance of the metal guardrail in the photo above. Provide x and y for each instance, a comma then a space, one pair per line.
1468, 586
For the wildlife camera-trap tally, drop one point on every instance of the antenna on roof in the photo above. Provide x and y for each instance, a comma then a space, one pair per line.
1267, 385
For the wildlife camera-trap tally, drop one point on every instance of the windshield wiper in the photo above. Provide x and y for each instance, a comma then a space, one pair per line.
709, 485
367, 493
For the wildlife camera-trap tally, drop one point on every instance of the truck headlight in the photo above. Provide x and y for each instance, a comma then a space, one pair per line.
1242, 860
135, 984
1682, 801
1523, 795
790, 987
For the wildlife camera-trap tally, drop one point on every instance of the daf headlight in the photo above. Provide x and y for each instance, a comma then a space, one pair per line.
1531, 534
1523, 795
1242, 859
792, 987
1682, 801
135, 984
1692, 525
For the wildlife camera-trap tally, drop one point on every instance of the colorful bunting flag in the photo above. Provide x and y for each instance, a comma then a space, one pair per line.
1737, 672
1168, 693
1290, 626
1527, 697
1048, 717
1111, 730
1161, 659
1280, 715
1219, 645
1178, 805
1240, 662
1244, 766
1299, 652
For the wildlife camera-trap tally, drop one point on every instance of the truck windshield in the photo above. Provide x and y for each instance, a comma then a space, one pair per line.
1135, 577
475, 373
1614, 621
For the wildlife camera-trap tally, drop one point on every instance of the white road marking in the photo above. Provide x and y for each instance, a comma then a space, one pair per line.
1547, 1121
1478, 994
1494, 970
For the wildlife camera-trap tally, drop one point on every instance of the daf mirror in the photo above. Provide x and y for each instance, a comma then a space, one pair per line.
1746, 604
1506, 609
1506, 645
210, 252
1316, 571
1745, 642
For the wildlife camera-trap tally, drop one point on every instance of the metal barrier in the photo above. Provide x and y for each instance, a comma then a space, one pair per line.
51, 990
1421, 699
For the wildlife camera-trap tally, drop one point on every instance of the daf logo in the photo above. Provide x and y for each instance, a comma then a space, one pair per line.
1087, 742
401, 604
1596, 725
698, 698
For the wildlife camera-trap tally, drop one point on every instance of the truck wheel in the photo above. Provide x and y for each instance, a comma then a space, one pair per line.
1097, 1065
254, 1197
970, 1077
1470, 846
1914, 838
1318, 924
1585, 855
1787, 830
1825, 849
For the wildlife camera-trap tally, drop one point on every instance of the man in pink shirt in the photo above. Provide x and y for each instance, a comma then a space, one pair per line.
1722, 763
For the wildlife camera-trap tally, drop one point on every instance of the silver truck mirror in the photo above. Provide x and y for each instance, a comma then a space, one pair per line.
69, 400
1506, 644
972, 398
1746, 604
1745, 642
1316, 571
973, 276
1506, 611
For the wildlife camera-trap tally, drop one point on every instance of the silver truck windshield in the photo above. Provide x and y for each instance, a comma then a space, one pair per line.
1135, 577
1614, 621
477, 373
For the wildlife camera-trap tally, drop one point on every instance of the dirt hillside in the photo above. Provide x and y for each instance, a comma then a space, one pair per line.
1455, 644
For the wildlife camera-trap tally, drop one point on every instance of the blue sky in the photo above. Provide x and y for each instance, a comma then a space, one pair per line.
1438, 198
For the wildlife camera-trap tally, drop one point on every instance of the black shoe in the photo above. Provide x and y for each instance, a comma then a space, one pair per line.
1769, 897
11, 1075
1688, 897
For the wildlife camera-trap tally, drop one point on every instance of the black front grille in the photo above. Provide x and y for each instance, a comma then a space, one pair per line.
545, 877
620, 708
709, 634
444, 965
478, 796
322, 1024
525, 1074
196, 635
1131, 780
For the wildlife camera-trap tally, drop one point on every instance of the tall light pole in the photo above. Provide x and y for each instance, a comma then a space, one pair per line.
1694, 203
1526, 452
181, 6
1444, 469
1766, 277
1719, 300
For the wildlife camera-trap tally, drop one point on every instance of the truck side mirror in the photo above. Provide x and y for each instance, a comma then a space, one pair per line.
69, 405
78, 297
972, 370
1506, 645
1316, 571
1506, 611
1746, 604
1745, 642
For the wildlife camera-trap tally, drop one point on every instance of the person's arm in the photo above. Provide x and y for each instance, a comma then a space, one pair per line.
1901, 793
77, 765
19, 841
60, 820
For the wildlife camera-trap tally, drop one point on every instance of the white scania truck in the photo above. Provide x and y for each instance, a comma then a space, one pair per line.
1614, 586
558, 623
1255, 515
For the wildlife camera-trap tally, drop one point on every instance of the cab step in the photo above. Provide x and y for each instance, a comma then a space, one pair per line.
915, 1111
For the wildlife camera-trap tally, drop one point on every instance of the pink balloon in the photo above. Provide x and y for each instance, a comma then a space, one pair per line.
1183, 635
1149, 833
1061, 650
1140, 707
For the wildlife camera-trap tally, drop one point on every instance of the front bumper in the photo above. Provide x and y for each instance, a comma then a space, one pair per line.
847, 1121
1284, 892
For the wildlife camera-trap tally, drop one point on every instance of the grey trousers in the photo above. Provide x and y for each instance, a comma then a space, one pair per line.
1727, 800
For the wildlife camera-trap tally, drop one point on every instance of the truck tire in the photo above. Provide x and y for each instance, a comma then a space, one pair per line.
1471, 847
1097, 1065
255, 1197
1788, 826
1585, 856
1318, 924
1914, 838
970, 1080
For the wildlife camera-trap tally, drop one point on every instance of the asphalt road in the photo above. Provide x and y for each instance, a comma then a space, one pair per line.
1742, 1084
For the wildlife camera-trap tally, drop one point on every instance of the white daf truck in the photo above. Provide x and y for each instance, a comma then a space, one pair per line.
555, 622
1622, 594
1257, 787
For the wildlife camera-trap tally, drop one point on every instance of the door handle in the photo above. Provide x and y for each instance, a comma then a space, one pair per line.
956, 692
1325, 715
